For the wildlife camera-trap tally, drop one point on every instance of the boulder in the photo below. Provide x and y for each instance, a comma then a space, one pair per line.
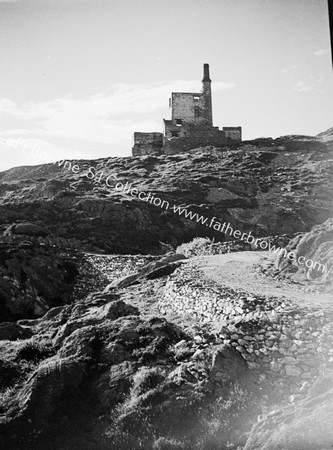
315, 246
29, 229
11, 331
123, 282
227, 365
156, 269
163, 267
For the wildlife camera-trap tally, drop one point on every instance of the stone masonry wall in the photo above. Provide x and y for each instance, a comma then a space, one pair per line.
184, 104
178, 145
97, 271
148, 144
233, 133
270, 333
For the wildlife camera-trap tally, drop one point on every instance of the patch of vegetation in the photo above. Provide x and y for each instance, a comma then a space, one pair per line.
147, 378
198, 247
35, 350
5, 398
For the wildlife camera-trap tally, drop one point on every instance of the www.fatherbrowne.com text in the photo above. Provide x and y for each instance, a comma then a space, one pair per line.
224, 227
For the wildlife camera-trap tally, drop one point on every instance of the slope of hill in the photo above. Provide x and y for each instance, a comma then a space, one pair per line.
326, 136
134, 351
264, 186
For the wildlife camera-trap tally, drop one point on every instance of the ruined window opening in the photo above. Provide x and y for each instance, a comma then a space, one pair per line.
179, 122
196, 98
196, 111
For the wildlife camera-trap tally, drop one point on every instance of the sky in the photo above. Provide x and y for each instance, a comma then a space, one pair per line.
78, 77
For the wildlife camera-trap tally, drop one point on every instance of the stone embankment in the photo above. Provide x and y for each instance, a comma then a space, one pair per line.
97, 271
270, 333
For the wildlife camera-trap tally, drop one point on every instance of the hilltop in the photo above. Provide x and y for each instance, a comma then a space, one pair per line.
265, 186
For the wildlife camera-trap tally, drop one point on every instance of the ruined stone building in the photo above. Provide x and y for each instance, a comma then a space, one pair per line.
190, 126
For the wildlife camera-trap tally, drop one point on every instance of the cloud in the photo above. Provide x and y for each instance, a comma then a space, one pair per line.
302, 87
107, 118
289, 70
16, 151
94, 126
321, 52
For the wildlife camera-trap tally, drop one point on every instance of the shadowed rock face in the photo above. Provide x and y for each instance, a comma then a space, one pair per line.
34, 279
266, 187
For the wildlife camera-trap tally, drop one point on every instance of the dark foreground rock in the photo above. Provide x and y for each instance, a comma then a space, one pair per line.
34, 278
96, 375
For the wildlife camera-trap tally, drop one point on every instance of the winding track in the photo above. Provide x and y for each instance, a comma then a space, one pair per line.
237, 270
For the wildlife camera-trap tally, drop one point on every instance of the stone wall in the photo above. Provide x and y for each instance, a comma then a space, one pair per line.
188, 106
270, 333
148, 144
233, 133
207, 138
97, 271
191, 125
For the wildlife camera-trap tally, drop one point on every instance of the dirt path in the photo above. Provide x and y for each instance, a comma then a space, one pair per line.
237, 270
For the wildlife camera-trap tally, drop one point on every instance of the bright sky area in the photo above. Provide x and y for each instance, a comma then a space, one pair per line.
78, 77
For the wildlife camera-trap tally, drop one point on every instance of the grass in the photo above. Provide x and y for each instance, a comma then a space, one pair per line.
198, 247
34, 350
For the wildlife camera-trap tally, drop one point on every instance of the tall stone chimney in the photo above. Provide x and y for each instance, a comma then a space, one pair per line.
206, 73
207, 94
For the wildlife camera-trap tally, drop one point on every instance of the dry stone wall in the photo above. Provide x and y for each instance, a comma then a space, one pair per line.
270, 333
97, 271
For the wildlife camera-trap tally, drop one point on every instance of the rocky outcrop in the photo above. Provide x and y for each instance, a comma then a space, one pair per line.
315, 249
105, 373
97, 375
268, 187
160, 268
326, 136
10, 331
25, 228
35, 278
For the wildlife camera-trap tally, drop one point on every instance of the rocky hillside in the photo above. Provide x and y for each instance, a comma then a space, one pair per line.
316, 245
106, 344
268, 187
167, 359
35, 278
101, 374
326, 136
